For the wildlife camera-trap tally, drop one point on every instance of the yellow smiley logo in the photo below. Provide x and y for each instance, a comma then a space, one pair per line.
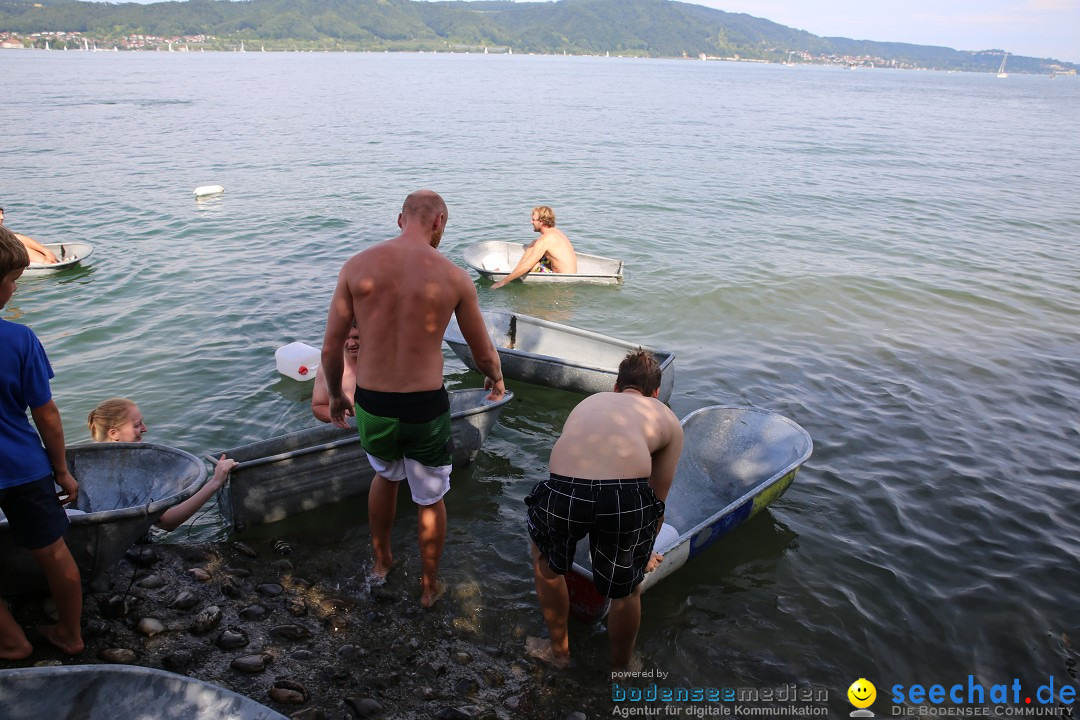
862, 693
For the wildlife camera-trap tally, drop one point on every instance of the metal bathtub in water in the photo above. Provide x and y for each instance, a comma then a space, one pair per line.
304, 470
559, 356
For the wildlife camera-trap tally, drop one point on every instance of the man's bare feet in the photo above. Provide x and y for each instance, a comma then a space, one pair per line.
654, 562
70, 646
428, 597
16, 651
379, 573
540, 649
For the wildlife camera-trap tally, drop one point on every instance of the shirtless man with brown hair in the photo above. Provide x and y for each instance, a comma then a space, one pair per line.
402, 293
611, 470
551, 252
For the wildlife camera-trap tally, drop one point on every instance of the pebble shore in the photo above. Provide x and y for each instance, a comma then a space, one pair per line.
253, 618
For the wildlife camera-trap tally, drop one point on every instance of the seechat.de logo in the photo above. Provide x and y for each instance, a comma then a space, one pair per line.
862, 694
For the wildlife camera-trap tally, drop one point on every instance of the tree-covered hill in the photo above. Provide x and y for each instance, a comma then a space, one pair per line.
654, 28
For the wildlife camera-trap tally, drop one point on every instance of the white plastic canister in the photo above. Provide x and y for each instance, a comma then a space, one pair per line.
298, 361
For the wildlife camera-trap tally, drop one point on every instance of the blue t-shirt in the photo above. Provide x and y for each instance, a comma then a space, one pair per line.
24, 383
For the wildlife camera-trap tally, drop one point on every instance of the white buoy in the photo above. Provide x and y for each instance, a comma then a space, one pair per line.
206, 190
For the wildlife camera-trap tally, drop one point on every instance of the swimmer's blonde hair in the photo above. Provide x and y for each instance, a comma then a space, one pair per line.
108, 415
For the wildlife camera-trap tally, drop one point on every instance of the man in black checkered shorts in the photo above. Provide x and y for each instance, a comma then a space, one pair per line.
611, 470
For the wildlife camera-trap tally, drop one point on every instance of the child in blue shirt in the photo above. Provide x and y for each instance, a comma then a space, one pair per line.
27, 470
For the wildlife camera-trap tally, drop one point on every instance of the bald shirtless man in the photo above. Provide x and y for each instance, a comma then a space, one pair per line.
402, 293
551, 252
611, 470
38, 252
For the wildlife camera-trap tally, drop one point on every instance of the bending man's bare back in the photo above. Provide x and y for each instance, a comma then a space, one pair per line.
402, 293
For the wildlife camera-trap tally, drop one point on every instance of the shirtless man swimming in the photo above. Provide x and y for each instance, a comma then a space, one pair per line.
402, 293
551, 252
38, 252
320, 398
611, 470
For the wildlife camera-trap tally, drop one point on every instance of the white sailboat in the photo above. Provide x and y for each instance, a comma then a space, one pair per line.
1001, 70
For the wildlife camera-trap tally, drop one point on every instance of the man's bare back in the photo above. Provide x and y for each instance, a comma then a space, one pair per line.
402, 293
619, 435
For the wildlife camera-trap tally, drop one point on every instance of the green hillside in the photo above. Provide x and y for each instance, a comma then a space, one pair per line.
652, 28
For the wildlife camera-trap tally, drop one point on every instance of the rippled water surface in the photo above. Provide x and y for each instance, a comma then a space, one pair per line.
888, 258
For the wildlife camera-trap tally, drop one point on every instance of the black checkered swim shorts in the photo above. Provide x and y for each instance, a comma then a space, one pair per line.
619, 516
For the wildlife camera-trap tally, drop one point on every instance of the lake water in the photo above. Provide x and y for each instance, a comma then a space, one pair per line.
888, 258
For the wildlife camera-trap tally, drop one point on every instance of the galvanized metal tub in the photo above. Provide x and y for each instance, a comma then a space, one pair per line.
67, 254
735, 462
482, 256
558, 356
123, 489
108, 692
304, 470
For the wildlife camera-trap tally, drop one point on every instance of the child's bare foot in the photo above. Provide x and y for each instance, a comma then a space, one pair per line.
540, 649
68, 645
17, 650
431, 596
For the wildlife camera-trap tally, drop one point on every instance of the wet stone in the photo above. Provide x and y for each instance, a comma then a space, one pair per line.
288, 692
178, 661
284, 566
96, 629
270, 589
152, 582
250, 664
311, 713
336, 604
296, 606
282, 547
238, 572
513, 703
372, 617
303, 655
349, 653
206, 620
232, 639
119, 656
492, 678
185, 600
462, 658
199, 574
466, 687
381, 594
231, 587
290, 632
151, 627
363, 707
141, 556
451, 713
336, 623
302, 583
431, 670
116, 606
427, 693
245, 549
385, 681
254, 612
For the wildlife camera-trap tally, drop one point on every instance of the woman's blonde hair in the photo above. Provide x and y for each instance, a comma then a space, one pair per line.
108, 415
